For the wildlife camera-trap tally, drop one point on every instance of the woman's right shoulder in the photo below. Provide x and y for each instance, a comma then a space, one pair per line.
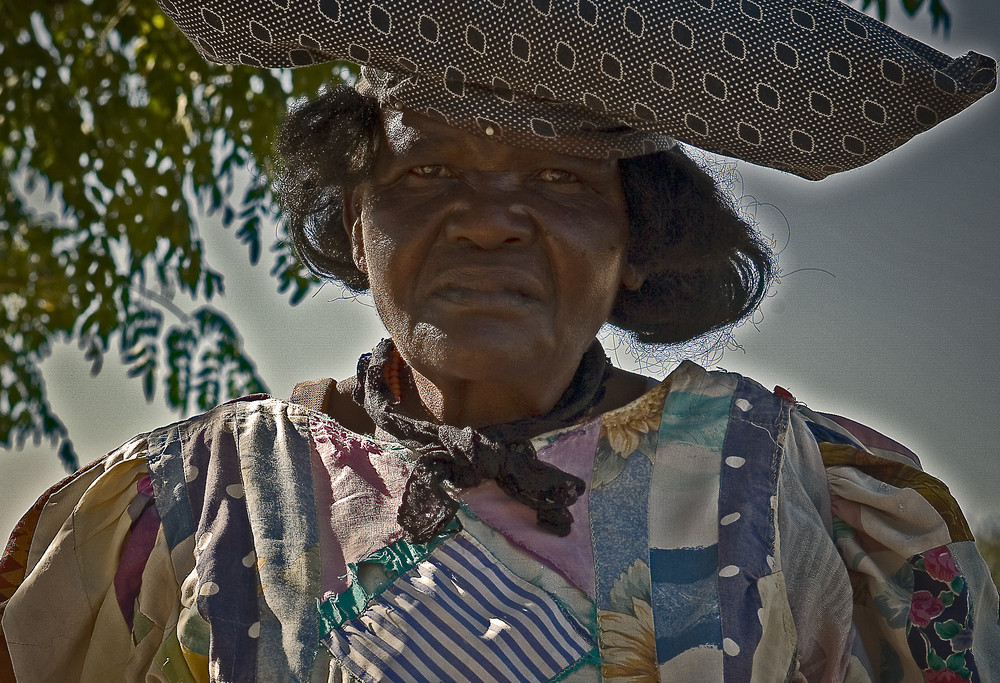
117, 473
105, 536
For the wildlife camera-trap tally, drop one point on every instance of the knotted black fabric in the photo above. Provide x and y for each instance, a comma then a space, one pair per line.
463, 457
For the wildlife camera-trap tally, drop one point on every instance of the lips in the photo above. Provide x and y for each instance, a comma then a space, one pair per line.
477, 298
488, 286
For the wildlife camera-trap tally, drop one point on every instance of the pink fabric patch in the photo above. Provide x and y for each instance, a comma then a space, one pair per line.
358, 491
572, 555
135, 552
872, 439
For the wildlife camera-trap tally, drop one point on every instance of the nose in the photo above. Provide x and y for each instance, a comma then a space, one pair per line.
489, 216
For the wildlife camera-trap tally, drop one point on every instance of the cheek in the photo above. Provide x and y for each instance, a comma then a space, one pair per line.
607, 277
590, 273
604, 245
393, 255
388, 292
384, 235
381, 256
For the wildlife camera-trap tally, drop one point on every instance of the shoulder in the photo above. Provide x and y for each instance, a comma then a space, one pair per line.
119, 475
834, 458
242, 427
108, 537
838, 434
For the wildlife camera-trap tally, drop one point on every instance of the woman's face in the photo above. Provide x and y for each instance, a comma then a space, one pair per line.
487, 262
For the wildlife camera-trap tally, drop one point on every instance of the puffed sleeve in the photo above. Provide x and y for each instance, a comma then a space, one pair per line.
910, 598
88, 587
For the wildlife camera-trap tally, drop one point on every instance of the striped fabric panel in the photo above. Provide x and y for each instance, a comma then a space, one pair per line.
459, 616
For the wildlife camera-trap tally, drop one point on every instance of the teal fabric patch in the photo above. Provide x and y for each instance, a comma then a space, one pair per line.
696, 419
592, 658
396, 560
340, 608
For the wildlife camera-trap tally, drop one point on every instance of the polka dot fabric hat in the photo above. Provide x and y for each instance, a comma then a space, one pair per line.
812, 87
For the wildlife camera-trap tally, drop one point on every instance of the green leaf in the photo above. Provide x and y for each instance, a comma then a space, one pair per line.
68, 456
947, 597
939, 15
249, 234
934, 660
956, 661
911, 6
948, 629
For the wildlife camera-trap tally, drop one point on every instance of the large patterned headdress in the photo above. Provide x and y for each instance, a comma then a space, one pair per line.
807, 86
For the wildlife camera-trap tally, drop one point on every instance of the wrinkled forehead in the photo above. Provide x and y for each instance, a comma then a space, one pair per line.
409, 134
528, 122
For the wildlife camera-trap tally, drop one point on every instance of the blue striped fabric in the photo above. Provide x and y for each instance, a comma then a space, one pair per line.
459, 616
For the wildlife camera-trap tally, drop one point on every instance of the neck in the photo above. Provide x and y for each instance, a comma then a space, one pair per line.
470, 403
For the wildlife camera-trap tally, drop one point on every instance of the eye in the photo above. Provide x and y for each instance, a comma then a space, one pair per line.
430, 171
555, 175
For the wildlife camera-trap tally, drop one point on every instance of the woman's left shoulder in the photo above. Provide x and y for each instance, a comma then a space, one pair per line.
921, 590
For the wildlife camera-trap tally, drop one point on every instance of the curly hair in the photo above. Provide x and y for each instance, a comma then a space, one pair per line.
705, 267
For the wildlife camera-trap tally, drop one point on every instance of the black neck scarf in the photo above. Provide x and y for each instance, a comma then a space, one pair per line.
463, 457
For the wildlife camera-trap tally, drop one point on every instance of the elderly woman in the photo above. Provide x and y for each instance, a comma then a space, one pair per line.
488, 499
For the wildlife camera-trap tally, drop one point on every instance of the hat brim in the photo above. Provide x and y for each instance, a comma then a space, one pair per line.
812, 87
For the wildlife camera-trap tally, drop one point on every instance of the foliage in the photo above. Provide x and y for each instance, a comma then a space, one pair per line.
111, 120
940, 16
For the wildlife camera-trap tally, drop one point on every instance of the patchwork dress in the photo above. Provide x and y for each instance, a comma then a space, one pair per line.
726, 534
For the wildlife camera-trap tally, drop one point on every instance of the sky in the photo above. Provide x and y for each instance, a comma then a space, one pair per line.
886, 312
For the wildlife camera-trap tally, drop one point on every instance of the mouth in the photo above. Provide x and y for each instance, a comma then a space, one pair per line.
481, 298
488, 287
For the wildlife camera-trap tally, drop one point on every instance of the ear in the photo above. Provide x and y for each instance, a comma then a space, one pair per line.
632, 277
352, 226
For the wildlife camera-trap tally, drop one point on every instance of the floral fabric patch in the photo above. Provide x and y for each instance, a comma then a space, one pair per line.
939, 627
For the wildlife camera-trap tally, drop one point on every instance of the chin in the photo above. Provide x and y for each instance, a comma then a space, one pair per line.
484, 355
